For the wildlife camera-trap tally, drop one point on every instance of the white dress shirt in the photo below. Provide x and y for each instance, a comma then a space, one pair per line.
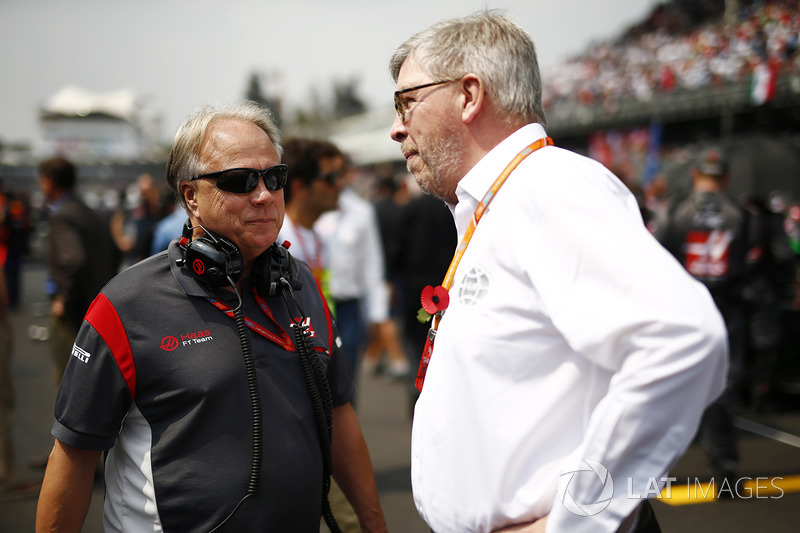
355, 253
571, 334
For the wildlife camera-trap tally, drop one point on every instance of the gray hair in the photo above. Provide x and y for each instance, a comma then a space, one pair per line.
184, 161
490, 45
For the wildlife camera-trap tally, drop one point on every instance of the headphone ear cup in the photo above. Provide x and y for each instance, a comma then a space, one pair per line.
212, 260
271, 266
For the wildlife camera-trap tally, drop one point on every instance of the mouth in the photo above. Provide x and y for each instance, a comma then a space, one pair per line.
408, 151
261, 221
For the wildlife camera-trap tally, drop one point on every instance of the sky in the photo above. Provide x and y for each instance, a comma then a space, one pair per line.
179, 54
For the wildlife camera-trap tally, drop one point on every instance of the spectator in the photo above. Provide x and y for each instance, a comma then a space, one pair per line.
80, 252
708, 233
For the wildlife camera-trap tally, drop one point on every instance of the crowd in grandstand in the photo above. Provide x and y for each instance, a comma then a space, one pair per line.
682, 45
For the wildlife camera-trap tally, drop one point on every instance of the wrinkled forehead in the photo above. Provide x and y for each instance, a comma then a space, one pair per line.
230, 143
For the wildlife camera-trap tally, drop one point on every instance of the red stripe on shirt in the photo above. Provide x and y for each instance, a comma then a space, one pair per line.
327, 316
104, 319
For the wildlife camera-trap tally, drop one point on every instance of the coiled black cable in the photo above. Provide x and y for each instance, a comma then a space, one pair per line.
321, 401
255, 404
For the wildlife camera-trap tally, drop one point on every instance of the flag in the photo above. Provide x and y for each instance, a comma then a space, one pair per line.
762, 83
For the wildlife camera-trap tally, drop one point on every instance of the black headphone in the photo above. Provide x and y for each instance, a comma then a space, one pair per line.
217, 262
211, 259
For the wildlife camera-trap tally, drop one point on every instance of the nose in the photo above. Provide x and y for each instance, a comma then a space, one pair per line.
261, 194
398, 132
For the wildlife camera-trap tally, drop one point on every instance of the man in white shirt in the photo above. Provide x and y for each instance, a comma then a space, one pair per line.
357, 287
575, 356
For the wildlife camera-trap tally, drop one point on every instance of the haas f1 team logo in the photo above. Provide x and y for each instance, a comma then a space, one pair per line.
199, 267
708, 253
169, 343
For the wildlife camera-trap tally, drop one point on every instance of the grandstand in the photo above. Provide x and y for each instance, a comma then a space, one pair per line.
692, 72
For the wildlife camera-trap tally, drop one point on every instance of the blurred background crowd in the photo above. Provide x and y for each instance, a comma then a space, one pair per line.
693, 73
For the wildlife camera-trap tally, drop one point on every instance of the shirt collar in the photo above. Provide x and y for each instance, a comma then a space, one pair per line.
473, 186
56, 206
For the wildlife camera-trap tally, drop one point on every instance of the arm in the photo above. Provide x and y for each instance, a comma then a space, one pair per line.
353, 469
67, 489
537, 526
68, 259
632, 312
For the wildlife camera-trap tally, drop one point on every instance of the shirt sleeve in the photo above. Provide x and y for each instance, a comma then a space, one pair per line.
340, 375
97, 388
376, 291
621, 301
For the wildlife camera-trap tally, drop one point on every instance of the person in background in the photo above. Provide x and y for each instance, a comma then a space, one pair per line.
313, 188
17, 230
768, 293
428, 242
81, 256
9, 474
168, 228
357, 274
564, 339
209, 373
133, 230
386, 337
708, 233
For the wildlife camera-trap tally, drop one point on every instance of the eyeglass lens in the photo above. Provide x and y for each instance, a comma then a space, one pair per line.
245, 180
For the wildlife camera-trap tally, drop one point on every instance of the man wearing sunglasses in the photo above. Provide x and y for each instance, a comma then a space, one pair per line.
312, 188
191, 380
570, 356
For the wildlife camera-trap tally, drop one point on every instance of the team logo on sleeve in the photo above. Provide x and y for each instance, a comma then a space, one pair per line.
80, 354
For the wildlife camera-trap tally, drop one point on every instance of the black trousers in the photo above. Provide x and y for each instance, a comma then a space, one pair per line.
647, 519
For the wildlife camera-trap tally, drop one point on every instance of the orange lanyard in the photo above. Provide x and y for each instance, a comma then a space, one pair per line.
481, 209
427, 351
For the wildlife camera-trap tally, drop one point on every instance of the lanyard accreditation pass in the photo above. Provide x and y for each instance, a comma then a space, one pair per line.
282, 339
427, 352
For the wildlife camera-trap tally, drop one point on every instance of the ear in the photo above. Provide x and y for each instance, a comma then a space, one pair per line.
473, 93
189, 191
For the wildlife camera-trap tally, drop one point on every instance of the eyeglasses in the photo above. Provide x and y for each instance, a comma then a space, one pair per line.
398, 102
245, 180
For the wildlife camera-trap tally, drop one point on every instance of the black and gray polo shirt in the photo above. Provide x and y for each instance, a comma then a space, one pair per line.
157, 378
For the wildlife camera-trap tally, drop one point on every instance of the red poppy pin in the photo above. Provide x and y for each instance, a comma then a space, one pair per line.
434, 300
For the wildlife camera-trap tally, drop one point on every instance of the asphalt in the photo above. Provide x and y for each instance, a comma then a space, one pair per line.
384, 411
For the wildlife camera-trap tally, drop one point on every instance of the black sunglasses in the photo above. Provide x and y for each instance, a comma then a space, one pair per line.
245, 180
331, 178
398, 102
